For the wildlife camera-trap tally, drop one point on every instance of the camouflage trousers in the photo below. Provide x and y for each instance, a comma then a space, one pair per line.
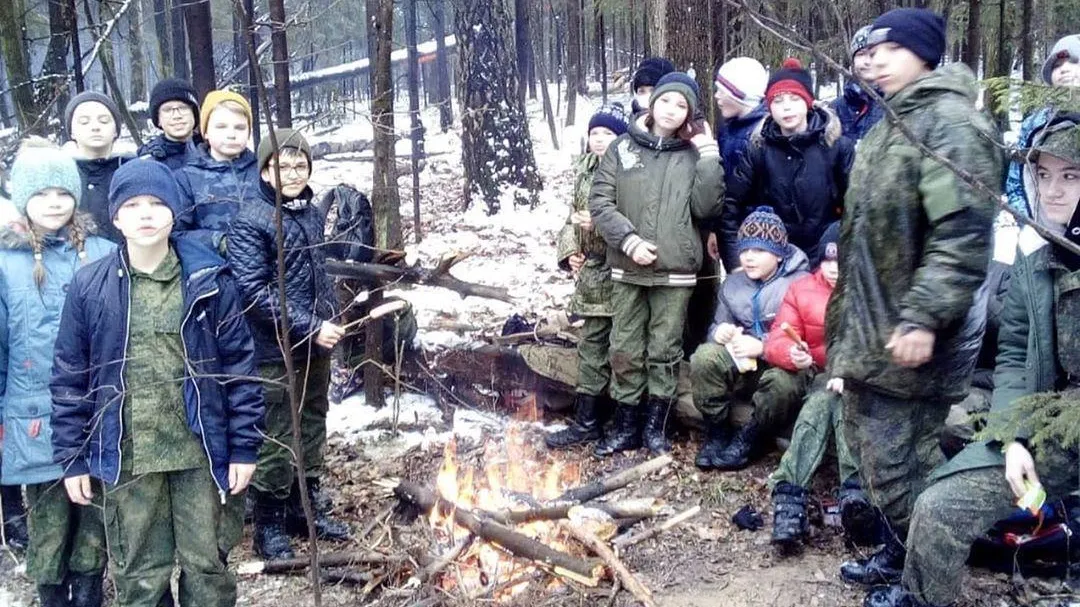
775, 393
957, 509
897, 442
821, 418
594, 365
154, 522
646, 341
277, 467
64, 537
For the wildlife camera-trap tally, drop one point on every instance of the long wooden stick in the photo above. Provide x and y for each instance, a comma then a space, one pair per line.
629, 539
636, 508
617, 567
333, 559
595, 489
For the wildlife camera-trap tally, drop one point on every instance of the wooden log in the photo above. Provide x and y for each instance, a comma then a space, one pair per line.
333, 559
631, 509
595, 489
629, 539
617, 567
580, 570
386, 274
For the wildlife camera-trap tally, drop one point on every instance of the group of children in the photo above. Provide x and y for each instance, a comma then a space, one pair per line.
142, 373
856, 294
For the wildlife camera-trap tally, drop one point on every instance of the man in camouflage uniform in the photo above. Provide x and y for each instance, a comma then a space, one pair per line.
903, 330
1038, 356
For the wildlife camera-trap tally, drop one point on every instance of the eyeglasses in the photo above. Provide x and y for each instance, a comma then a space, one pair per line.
296, 169
175, 110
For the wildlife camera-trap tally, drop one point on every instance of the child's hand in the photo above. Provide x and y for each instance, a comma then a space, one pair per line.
644, 253
836, 385
576, 261
725, 332
329, 335
800, 358
239, 477
712, 245
583, 220
745, 346
703, 135
78, 489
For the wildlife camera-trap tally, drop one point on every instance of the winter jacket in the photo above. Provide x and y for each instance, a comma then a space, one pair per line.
915, 242
802, 177
655, 189
1016, 190
29, 321
96, 176
252, 254
212, 191
734, 135
224, 405
592, 288
803, 309
173, 154
857, 112
753, 304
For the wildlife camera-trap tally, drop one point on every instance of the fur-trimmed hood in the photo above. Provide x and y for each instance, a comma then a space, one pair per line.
16, 234
822, 125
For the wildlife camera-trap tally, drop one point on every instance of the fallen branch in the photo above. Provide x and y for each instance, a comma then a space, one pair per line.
617, 567
595, 489
629, 539
629, 509
445, 560
386, 274
333, 559
579, 570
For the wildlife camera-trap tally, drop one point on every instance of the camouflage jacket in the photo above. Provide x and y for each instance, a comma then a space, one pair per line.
915, 241
592, 290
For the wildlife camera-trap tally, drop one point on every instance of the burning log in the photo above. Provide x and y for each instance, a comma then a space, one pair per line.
617, 567
579, 570
628, 509
595, 489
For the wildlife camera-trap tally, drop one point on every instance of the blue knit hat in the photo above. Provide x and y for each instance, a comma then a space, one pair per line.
650, 71
40, 165
682, 83
611, 117
763, 229
919, 30
140, 177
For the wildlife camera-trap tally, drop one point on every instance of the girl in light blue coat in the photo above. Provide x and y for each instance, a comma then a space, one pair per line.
39, 255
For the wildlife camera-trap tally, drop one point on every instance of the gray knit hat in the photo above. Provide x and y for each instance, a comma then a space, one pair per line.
1067, 48
82, 98
861, 39
40, 165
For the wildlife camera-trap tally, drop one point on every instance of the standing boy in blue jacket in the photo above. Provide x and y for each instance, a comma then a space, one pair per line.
155, 398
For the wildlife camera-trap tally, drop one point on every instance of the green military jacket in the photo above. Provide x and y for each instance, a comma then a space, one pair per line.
915, 241
592, 289
655, 189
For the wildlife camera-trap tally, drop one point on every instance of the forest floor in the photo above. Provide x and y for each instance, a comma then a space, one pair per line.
706, 561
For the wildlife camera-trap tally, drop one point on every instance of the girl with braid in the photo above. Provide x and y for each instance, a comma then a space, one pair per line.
39, 254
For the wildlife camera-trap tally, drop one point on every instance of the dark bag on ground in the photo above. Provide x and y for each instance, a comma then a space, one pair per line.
352, 224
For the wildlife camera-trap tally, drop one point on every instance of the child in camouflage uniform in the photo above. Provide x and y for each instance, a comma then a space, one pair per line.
155, 398
582, 251
747, 302
652, 186
39, 254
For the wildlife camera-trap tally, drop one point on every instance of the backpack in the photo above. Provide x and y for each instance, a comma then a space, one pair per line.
352, 229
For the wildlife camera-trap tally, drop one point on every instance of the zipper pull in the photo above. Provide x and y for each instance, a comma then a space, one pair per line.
222, 494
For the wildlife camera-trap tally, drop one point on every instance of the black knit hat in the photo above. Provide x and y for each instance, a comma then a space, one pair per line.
650, 71
919, 30
828, 246
172, 89
611, 117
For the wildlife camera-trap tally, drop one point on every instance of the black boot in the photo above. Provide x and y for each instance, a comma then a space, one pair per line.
53, 595
858, 517
326, 528
655, 433
891, 596
883, 567
269, 538
87, 589
14, 513
585, 428
789, 514
717, 437
737, 454
624, 434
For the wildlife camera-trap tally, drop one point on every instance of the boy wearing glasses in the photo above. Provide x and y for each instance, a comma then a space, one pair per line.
313, 330
173, 108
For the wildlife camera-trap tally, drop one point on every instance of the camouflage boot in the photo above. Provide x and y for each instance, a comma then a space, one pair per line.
736, 455
53, 595
717, 437
585, 428
885, 566
858, 518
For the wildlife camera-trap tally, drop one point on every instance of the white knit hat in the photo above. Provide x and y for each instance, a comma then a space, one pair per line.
744, 79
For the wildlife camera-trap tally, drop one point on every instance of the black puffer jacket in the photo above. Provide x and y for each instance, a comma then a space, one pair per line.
252, 253
802, 177
96, 174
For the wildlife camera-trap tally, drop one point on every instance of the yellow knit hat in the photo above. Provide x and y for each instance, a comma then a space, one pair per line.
216, 98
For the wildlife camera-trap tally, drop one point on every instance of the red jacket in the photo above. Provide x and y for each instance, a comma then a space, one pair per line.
803, 309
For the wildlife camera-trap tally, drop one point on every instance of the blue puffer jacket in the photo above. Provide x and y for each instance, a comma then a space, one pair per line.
734, 136
1015, 190
173, 154
224, 404
29, 320
212, 191
856, 111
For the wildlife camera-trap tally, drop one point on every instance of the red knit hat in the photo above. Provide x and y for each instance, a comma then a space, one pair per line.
791, 78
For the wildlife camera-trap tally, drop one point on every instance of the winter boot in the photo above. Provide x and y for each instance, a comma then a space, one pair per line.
858, 517
789, 514
584, 429
326, 528
717, 437
883, 567
53, 595
270, 541
14, 512
655, 433
737, 454
891, 596
87, 589
624, 434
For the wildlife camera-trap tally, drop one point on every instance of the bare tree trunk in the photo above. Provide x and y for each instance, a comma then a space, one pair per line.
54, 84
442, 67
161, 32
541, 69
279, 50
973, 41
135, 49
601, 50
496, 150
689, 43
178, 35
658, 21
416, 128
573, 58
631, 59
1027, 51
522, 44
200, 41
13, 44
76, 52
